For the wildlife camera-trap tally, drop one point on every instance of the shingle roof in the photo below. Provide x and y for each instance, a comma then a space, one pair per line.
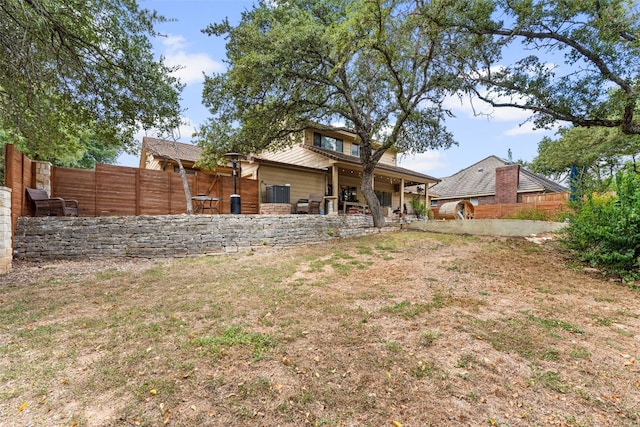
479, 179
341, 157
167, 149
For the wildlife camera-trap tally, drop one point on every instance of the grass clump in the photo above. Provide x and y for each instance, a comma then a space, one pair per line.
260, 344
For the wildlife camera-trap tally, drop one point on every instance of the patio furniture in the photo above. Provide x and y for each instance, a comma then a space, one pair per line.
206, 203
310, 205
355, 208
43, 205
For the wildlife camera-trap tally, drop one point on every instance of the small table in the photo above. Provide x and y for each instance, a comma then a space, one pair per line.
348, 207
204, 203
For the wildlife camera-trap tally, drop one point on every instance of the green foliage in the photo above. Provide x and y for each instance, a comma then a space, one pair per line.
597, 153
73, 76
374, 66
236, 335
593, 45
605, 233
419, 208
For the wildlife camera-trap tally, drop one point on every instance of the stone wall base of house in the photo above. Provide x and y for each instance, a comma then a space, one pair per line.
47, 238
275, 208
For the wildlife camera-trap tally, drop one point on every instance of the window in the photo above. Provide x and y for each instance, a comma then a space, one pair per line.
188, 171
348, 194
355, 150
327, 142
384, 198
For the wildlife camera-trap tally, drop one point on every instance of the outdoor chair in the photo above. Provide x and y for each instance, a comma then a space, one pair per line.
310, 205
43, 205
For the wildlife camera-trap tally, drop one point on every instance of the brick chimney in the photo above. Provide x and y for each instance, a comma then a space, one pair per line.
507, 180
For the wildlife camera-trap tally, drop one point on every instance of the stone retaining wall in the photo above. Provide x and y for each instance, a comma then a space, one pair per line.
176, 235
275, 208
6, 255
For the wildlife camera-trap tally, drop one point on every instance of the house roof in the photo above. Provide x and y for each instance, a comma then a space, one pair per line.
346, 158
167, 149
188, 152
479, 179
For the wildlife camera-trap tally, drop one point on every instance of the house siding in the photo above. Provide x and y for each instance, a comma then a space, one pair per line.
388, 157
302, 183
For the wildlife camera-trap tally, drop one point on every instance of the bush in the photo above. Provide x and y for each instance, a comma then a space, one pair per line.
531, 214
605, 232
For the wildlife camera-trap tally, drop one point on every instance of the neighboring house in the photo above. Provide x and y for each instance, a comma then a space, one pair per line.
492, 181
325, 161
160, 154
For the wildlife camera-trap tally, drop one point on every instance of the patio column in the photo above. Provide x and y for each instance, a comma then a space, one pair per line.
401, 195
334, 187
427, 204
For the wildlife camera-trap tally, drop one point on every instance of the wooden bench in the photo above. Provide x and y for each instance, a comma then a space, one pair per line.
43, 205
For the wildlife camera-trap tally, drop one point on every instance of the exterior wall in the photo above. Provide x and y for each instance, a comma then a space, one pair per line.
302, 182
507, 180
46, 238
388, 157
496, 227
6, 253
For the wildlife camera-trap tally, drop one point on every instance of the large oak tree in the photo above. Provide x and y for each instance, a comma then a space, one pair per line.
373, 65
77, 73
564, 60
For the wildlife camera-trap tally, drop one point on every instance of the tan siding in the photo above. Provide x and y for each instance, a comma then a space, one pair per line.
302, 183
152, 163
298, 156
388, 158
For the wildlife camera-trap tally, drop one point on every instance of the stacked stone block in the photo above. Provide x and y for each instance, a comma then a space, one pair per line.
6, 254
46, 238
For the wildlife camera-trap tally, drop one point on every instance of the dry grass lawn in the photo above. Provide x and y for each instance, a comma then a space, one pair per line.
410, 329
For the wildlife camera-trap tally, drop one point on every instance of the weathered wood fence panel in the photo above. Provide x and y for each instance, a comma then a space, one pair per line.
76, 184
547, 197
154, 198
18, 176
121, 191
509, 210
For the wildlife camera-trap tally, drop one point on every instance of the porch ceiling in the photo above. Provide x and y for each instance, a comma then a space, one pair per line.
349, 165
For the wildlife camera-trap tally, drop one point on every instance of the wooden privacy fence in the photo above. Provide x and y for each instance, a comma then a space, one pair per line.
509, 210
118, 190
550, 204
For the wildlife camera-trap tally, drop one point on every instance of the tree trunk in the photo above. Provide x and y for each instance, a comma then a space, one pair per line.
370, 197
185, 184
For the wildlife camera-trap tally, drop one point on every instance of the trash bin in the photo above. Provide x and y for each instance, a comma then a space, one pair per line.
235, 204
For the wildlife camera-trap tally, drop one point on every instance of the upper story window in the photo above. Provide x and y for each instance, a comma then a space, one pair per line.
355, 150
327, 142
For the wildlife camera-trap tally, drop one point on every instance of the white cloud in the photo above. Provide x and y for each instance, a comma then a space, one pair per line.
427, 163
192, 64
477, 109
528, 129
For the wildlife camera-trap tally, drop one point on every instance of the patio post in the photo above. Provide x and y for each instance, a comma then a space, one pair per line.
235, 203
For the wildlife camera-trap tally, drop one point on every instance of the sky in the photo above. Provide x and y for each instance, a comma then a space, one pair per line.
185, 45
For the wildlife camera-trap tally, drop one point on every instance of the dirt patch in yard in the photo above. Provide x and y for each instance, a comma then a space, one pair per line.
411, 329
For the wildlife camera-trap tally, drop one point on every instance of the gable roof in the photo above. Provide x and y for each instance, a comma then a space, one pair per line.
479, 179
167, 149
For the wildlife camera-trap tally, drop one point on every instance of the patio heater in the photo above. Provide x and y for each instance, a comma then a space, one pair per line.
235, 197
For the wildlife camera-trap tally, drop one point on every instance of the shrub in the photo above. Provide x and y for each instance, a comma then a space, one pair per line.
605, 232
532, 214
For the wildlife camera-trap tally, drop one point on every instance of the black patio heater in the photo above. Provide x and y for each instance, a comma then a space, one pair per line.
235, 197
